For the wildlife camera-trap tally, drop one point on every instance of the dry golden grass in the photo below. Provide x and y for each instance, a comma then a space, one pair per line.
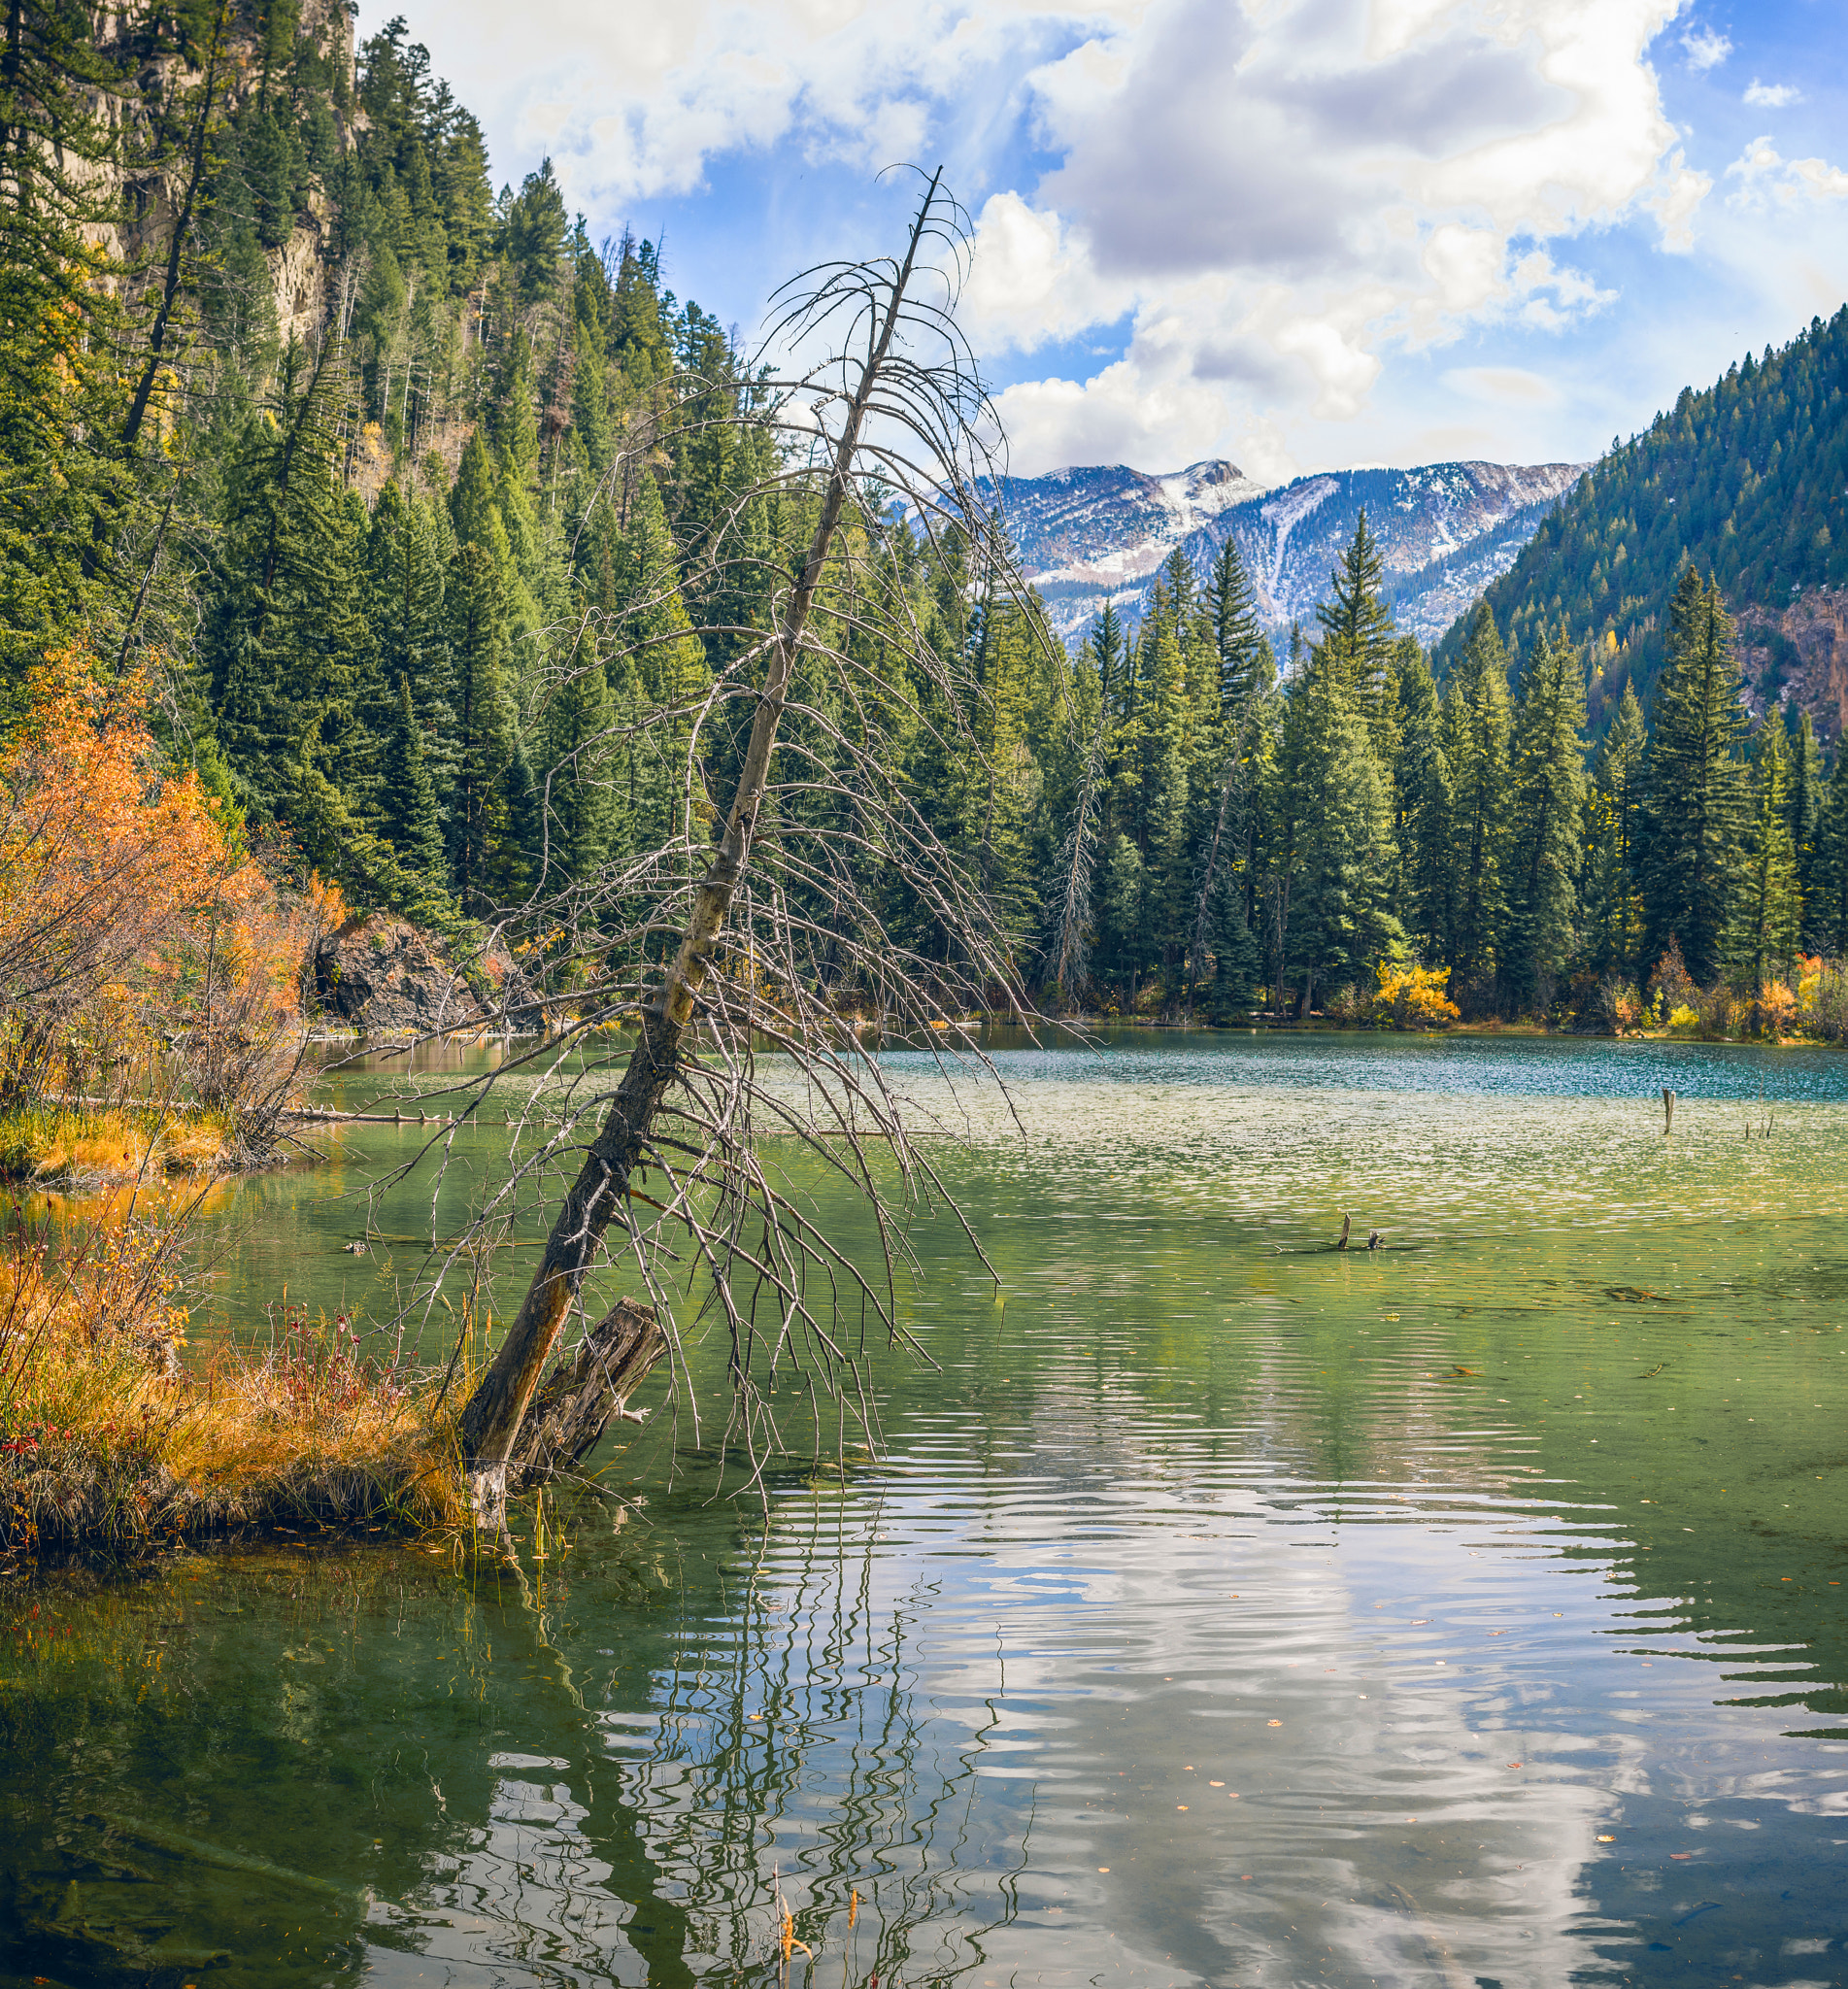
107, 1433
198, 1144
103, 1144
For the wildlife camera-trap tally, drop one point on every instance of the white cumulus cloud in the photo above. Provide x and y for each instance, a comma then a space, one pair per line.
1319, 182
1706, 49
1029, 282
1772, 96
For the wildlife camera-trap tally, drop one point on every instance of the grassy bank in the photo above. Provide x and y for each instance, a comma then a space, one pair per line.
58, 1143
110, 1436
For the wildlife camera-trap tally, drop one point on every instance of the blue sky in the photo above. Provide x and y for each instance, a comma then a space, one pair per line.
1303, 234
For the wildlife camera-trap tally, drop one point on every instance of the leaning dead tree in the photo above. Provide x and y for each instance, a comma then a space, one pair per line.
791, 894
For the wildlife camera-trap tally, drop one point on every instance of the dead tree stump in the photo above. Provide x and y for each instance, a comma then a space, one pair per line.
584, 1394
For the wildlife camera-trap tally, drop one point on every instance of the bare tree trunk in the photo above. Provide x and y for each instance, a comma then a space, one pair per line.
491, 1421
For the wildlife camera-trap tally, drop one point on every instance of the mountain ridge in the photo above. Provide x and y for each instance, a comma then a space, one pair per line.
1445, 531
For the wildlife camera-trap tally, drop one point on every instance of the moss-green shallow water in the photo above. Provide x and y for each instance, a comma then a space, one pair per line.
1219, 1610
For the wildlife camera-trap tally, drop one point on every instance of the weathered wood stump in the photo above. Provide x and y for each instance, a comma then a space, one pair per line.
584, 1393
1668, 1111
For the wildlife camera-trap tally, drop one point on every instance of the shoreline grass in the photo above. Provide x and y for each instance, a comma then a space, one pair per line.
46, 1144
109, 1438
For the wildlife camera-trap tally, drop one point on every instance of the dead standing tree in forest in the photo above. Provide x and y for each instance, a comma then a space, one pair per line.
881, 441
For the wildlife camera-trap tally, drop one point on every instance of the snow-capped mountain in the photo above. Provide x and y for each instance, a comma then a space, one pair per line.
1444, 532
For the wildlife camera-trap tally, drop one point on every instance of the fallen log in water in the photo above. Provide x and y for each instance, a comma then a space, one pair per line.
585, 1393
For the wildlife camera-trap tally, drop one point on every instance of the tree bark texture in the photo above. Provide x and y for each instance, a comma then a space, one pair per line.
581, 1397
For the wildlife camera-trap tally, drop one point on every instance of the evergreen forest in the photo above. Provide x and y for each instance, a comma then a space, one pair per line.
402, 493
1746, 480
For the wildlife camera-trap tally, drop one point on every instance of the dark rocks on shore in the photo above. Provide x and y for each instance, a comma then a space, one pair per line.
382, 976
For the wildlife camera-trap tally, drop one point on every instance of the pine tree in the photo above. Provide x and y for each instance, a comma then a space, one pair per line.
1237, 637
1612, 890
575, 793
410, 820
408, 553
671, 675
1422, 817
1071, 879
1358, 639
1336, 851
294, 668
1827, 907
1008, 779
1806, 790
1767, 919
1165, 787
1696, 798
1120, 912
484, 721
1545, 829
1476, 734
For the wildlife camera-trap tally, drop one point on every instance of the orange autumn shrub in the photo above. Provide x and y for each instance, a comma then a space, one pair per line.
1777, 1010
142, 954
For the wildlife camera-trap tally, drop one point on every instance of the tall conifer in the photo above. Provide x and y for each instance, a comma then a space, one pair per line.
1358, 638
1768, 903
1477, 725
1613, 843
1698, 797
1545, 826
1423, 816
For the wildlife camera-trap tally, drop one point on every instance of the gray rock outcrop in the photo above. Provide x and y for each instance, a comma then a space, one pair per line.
382, 976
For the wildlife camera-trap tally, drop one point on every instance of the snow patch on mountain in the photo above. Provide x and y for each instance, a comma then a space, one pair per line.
1444, 530
1108, 526
1297, 501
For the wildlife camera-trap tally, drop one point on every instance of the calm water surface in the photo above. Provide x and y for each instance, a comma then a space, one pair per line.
1218, 1608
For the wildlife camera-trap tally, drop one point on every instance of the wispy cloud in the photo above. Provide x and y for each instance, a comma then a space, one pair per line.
1503, 385
1762, 173
1772, 96
1706, 48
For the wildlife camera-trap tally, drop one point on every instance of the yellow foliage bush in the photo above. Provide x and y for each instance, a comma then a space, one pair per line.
1413, 999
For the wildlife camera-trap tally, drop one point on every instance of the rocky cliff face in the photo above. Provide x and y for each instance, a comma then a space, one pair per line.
1444, 532
1800, 654
300, 269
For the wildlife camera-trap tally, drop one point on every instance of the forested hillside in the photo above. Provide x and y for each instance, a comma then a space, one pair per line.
446, 534
1746, 480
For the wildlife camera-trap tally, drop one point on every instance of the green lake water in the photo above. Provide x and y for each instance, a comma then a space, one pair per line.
1219, 1610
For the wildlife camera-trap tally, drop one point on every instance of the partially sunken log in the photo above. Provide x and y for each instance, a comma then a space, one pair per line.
1668, 1111
582, 1397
